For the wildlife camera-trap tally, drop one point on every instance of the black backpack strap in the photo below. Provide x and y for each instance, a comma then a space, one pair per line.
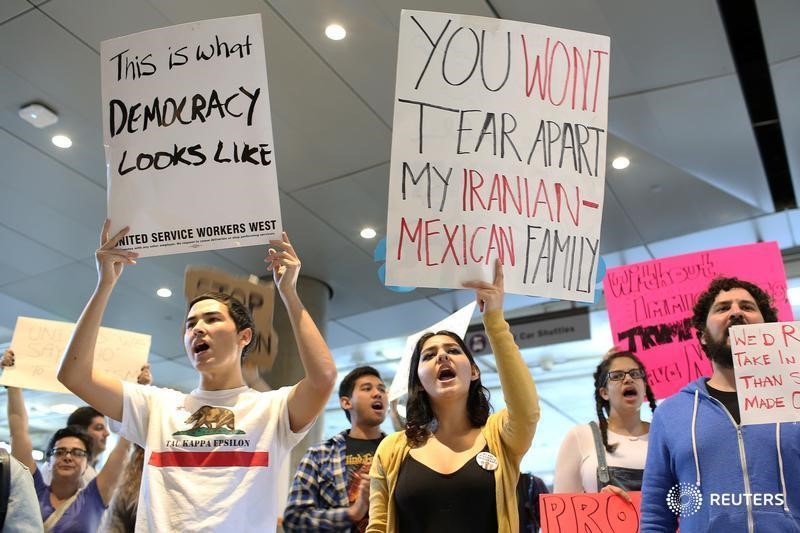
5, 484
602, 467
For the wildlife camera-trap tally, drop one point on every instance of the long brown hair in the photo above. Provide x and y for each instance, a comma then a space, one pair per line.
419, 412
121, 514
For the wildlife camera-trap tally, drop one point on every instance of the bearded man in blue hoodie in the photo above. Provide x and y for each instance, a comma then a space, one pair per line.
703, 467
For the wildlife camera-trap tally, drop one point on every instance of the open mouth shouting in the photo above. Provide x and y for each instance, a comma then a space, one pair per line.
446, 374
200, 348
629, 392
378, 406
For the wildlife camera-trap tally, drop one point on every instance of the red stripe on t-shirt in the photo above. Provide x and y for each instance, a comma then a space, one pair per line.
209, 459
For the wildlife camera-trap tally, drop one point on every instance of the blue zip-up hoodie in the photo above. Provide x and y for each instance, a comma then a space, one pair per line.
695, 441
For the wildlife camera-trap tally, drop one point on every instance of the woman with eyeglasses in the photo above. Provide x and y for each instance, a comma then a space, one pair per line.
609, 455
65, 507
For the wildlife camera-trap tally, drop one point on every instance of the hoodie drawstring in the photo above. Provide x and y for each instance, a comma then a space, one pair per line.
780, 466
694, 436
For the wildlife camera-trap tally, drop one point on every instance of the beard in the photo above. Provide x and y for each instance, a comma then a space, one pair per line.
720, 351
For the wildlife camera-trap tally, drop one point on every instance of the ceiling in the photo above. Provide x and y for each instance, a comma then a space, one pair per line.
677, 111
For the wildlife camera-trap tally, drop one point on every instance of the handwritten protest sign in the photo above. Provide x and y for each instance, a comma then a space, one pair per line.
766, 361
188, 135
39, 344
498, 151
650, 306
458, 323
256, 295
590, 512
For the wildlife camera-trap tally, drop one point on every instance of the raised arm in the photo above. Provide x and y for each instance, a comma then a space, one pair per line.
21, 446
519, 390
308, 398
99, 389
112, 470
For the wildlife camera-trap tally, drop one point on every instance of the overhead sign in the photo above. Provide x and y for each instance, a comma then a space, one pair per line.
256, 295
498, 151
39, 344
650, 306
188, 134
537, 330
766, 361
590, 512
457, 323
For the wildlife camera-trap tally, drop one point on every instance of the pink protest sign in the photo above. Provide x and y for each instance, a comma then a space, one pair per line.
650, 306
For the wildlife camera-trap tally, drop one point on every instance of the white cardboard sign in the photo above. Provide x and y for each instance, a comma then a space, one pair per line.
498, 150
188, 137
766, 361
39, 344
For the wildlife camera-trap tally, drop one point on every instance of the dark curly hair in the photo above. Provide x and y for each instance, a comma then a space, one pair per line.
718, 285
603, 406
239, 313
71, 431
419, 412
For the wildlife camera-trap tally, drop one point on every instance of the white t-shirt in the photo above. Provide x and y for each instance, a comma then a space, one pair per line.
212, 458
576, 466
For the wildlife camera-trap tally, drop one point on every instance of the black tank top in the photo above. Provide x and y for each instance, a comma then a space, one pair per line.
428, 501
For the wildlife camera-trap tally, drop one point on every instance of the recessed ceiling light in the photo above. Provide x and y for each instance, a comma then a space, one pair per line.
63, 408
620, 162
368, 233
62, 141
38, 115
335, 32
164, 292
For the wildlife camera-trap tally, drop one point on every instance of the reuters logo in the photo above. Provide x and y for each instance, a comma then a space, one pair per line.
684, 499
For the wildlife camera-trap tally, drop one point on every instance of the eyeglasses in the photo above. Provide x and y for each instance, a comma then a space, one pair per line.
619, 375
74, 452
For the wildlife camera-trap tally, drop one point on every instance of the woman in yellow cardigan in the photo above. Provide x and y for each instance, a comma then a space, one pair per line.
455, 467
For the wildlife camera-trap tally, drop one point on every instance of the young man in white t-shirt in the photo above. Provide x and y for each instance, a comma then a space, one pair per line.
212, 456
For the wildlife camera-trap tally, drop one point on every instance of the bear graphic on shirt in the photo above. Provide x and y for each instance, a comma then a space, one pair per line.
209, 420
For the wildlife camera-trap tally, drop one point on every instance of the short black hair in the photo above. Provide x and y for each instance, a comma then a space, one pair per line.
349, 382
83, 416
718, 285
239, 313
71, 431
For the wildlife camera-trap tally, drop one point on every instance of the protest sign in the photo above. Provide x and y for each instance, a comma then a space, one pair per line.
650, 306
498, 151
766, 361
595, 512
458, 323
188, 137
256, 295
39, 344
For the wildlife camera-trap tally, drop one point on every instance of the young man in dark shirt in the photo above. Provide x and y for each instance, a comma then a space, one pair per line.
330, 491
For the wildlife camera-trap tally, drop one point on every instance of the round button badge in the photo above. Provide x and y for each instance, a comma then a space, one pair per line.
487, 461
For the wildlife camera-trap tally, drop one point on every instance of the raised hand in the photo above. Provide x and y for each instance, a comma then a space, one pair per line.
111, 260
8, 358
282, 260
145, 377
489, 295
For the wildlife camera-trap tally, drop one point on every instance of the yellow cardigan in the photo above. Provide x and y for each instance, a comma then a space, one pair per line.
508, 434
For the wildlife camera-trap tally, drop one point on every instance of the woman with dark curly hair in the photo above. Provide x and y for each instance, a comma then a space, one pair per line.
455, 467
609, 455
